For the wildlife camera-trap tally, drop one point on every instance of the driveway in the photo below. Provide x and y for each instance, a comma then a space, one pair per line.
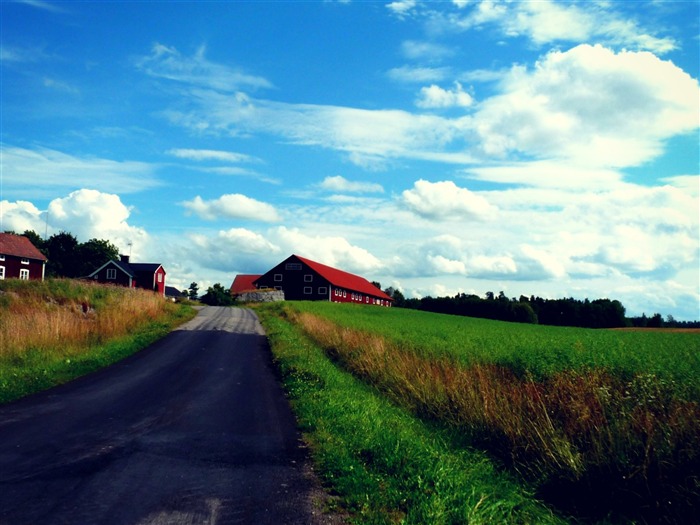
193, 429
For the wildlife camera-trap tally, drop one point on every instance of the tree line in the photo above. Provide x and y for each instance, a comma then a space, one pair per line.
69, 258
599, 313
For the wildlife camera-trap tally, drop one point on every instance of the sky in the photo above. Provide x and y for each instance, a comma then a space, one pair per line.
531, 147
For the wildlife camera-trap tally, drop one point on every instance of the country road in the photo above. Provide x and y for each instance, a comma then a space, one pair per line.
192, 430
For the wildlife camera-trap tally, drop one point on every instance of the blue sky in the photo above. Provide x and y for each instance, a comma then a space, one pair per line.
546, 148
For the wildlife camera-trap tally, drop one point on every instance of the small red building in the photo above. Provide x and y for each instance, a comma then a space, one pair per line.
244, 283
20, 259
302, 279
149, 276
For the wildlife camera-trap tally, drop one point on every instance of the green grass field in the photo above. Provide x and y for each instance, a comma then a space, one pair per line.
602, 425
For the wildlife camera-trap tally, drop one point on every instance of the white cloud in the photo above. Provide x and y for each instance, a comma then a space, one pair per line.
445, 200
402, 8
334, 251
208, 154
232, 206
85, 213
418, 75
436, 97
168, 62
29, 171
421, 50
590, 105
343, 185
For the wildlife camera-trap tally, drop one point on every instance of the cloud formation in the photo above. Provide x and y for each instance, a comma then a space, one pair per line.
232, 206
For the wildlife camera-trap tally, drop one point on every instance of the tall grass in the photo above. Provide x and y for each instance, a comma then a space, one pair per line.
594, 441
386, 465
55, 330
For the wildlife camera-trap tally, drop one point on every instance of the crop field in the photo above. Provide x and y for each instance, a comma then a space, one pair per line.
602, 425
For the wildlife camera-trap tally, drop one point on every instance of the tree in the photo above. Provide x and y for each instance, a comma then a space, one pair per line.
62, 252
193, 291
217, 295
95, 253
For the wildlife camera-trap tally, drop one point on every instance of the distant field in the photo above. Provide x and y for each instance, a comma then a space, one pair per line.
604, 423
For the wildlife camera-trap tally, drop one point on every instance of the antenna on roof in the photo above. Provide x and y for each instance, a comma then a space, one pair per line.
129, 244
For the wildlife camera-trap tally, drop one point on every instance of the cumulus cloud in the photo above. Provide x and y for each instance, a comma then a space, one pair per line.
233, 248
417, 50
334, 251
85, 213
32, 171
418, 75
343, 185
436, 97
445, 200
401, 8
622, 106
232, 206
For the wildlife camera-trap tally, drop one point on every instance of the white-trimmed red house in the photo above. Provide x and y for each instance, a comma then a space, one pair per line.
302, 279
149, 276
20, 259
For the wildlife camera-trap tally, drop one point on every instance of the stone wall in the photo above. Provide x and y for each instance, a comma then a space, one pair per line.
267, 296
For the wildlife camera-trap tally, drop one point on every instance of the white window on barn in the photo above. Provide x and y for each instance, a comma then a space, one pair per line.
322, 290
308, 290
345, 294
292, 266
2, 272
160, 277
111, 274
24, 274
278, 277
25, 261
2, 256
308, 278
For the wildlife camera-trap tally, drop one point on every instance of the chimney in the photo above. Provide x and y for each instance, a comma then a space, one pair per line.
124, 258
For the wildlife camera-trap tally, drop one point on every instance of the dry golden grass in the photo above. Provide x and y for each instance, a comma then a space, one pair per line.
571, 426
62, 317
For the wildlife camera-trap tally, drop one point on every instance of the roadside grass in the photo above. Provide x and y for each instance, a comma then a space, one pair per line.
59, 329
598, 436
386, 465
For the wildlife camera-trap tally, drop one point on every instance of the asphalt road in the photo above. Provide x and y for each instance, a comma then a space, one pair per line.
193, 429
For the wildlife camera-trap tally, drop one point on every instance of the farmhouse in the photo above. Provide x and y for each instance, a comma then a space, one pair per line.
149, 276
302, 279
20, 259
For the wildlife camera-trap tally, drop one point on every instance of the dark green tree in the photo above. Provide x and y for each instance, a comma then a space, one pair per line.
62, 252
193, 291
217, 295
95, 253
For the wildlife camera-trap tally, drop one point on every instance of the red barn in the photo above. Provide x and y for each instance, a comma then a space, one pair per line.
243, 283
306, 280
20, 259
149, 276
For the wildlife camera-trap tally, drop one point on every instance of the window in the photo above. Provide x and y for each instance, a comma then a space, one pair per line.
2, 272
278, 288
292, 266
111, 274
24, 274
2, 256
25, 261
322, 290
308, 278
307, 290
345, 294
160, 277
278, 277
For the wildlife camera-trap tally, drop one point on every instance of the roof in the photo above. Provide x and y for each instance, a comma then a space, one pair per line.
19, 246
171, 291
344, 279
243, 283
143, 267
129, 269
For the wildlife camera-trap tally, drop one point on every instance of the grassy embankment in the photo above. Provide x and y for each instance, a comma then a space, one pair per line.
59, 329
603, 425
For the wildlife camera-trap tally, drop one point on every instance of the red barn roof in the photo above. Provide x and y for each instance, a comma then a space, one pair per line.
243, 283
19, 246
345, 279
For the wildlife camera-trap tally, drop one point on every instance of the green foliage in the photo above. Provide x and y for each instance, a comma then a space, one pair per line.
193, 291
217, 295
386, 465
